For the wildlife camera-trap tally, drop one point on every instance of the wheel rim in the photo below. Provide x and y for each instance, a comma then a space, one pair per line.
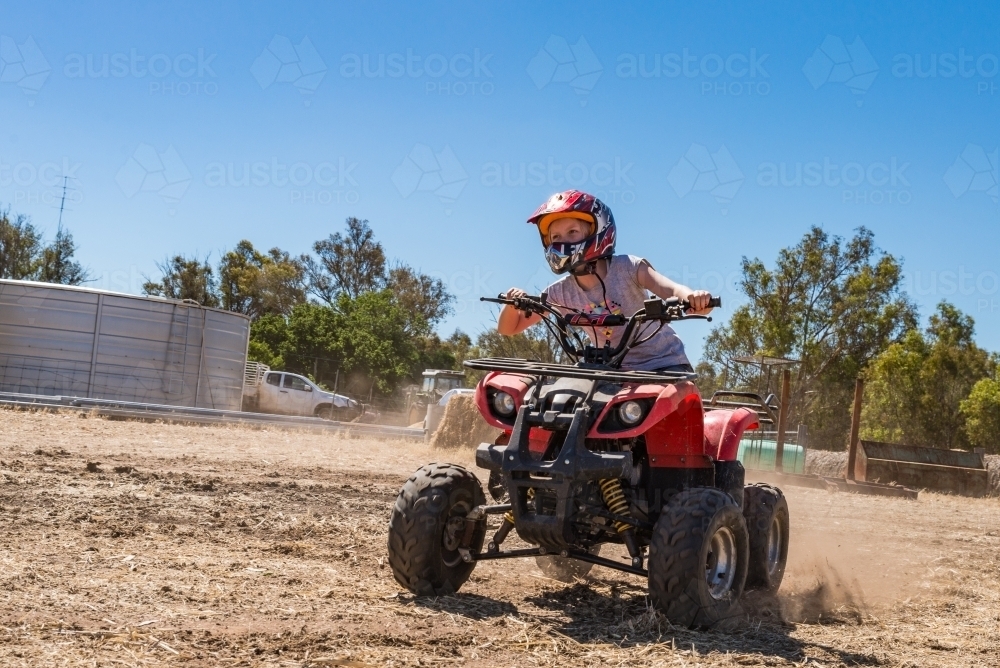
720, 566
774, 540
451, 537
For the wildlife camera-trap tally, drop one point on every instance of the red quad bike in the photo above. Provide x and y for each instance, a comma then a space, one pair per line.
593, 454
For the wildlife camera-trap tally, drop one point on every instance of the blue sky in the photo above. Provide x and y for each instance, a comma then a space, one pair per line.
713, 131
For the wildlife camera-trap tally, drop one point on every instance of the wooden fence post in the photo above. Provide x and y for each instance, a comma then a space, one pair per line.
852, 456
779, 449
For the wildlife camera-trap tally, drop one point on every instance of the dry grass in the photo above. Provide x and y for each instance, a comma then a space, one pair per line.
210, 546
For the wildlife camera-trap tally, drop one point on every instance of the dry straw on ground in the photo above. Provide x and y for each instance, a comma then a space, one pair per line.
462, 426
226, 546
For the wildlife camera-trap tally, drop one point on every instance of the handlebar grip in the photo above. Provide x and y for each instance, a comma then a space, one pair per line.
713, 302
584, 320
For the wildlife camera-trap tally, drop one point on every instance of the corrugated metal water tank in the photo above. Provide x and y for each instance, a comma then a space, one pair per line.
73, 341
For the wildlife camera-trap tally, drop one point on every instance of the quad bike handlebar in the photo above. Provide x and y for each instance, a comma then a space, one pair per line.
561, 324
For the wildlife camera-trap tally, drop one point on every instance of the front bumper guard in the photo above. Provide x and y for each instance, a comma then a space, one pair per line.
546, 519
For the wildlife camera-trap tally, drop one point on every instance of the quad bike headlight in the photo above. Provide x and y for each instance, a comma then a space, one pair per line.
503, 404
630, 413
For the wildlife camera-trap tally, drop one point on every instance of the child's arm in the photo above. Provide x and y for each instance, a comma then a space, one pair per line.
664, 288
512, 321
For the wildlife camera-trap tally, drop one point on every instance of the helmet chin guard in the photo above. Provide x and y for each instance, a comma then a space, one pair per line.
574, 257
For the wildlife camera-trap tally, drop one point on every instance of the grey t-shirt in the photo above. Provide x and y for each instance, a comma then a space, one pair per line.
624, 297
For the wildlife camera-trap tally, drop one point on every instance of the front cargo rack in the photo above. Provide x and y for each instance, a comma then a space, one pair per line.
585, 371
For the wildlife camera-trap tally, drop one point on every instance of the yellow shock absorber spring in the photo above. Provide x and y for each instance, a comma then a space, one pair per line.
611, 490
509, 515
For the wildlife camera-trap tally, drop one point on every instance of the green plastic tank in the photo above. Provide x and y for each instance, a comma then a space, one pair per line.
759, 454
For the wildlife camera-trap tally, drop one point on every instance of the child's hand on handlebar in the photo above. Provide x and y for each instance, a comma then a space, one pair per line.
699, 300
513, 321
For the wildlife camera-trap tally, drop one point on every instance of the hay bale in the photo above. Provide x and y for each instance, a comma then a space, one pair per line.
827, 463
462, 426
993, 466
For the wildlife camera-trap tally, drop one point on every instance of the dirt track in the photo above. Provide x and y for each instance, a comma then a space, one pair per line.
216, 546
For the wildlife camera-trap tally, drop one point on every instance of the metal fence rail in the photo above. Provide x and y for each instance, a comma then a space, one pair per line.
182, 414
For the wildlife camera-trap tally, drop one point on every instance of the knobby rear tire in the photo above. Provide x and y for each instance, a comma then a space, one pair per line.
680, 552
766, 513
418, 556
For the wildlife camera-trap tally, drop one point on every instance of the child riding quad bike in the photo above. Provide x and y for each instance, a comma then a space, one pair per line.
594, 454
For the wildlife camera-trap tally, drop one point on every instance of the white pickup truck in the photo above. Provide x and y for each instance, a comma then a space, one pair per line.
266, 391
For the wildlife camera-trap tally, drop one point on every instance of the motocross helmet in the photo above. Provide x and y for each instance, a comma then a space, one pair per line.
578, 256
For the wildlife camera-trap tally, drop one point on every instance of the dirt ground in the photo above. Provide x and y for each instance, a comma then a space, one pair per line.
144, 545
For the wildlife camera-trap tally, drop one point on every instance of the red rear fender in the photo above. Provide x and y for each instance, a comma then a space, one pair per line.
724, 431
